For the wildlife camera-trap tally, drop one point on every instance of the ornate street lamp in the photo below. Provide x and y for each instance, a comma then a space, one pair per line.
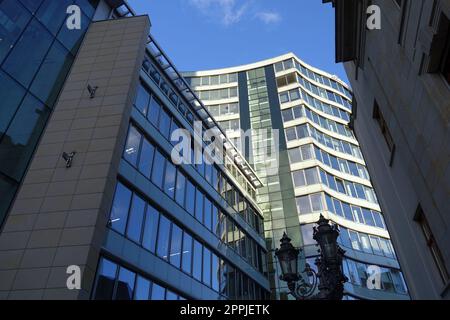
329, 280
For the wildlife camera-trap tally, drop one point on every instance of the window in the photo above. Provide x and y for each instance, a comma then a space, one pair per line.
164, 124
105, 280
29, 52
186, 257
190, 197
199, 205
432, 244
355, 240
158, 173
378, 116
125, 285
175, 246
22, 135
146, 158
135, 219
119, 211
150, 229
142, 289
154, 110
206, 267
158, 292
180, 188
162, 249
169, 181
132, 145
197, 260
142, 99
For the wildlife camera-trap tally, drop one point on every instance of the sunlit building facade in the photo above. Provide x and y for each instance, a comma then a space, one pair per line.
320, 166
103, 201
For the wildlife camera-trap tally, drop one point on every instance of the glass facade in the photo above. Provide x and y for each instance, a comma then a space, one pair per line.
200, 222
36, 53
325, 167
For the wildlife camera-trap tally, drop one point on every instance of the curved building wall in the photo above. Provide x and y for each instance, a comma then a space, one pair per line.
321, 167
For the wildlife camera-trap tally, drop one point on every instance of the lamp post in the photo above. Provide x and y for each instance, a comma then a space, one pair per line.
329, 279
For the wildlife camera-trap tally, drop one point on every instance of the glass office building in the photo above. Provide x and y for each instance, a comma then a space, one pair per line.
137, 225
321, 167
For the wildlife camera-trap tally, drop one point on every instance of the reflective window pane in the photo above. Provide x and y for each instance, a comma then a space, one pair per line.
125, 284
197, 260
180, 188
136, 217
28, 53
142, 99
190, 197
50, 78
105, 280
13, 19
186, 258
158, 169
146, 158
158, 292
52, 14
150, 229
169, 180
175, 246
142, 289
132, 145
162, 249
206, 278
22, 136
119, 212
11, 95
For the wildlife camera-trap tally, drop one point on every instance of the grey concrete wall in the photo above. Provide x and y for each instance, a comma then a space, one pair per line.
416, 107
60, 215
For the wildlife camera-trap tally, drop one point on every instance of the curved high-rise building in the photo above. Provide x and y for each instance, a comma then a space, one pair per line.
321, 169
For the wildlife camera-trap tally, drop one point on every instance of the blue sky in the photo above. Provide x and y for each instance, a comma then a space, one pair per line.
210, 34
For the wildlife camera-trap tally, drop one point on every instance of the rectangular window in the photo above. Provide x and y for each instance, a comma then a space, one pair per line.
378, 116
136, 218
132, 145
169, 181
180, 188
206, 278
120, 207
197, 260
175, 246
150, 229
158, 169
432, 244
199, 197
162, 248
190, 197
106, 277
146, 158
186, 257
126, 280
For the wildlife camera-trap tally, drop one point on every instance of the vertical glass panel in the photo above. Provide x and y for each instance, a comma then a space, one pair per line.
13, 19
175, 246
142, 289
49, 80
119, 211
142, 99
307, 233
22, 136
11, 94
180, 188
164, 123
146, 158
368, 217
155, 109
132, 146
199, 205
215, 272
206, 267
171, 296
158, 292
88, 6
158, 169
190, 197
207, 214
136, 217
72, 38
347, 211
375, 246
378, 219
215, 220
186, 258
316, 201
355, 240
106, 276
28, 54
52, 14
365, 243
303, 205
125, 284
299, 179
338, 208
162, 248
197, 260
169, 181
150, 229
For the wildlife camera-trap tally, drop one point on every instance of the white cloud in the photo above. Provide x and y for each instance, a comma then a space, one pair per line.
268, 17
227, 11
